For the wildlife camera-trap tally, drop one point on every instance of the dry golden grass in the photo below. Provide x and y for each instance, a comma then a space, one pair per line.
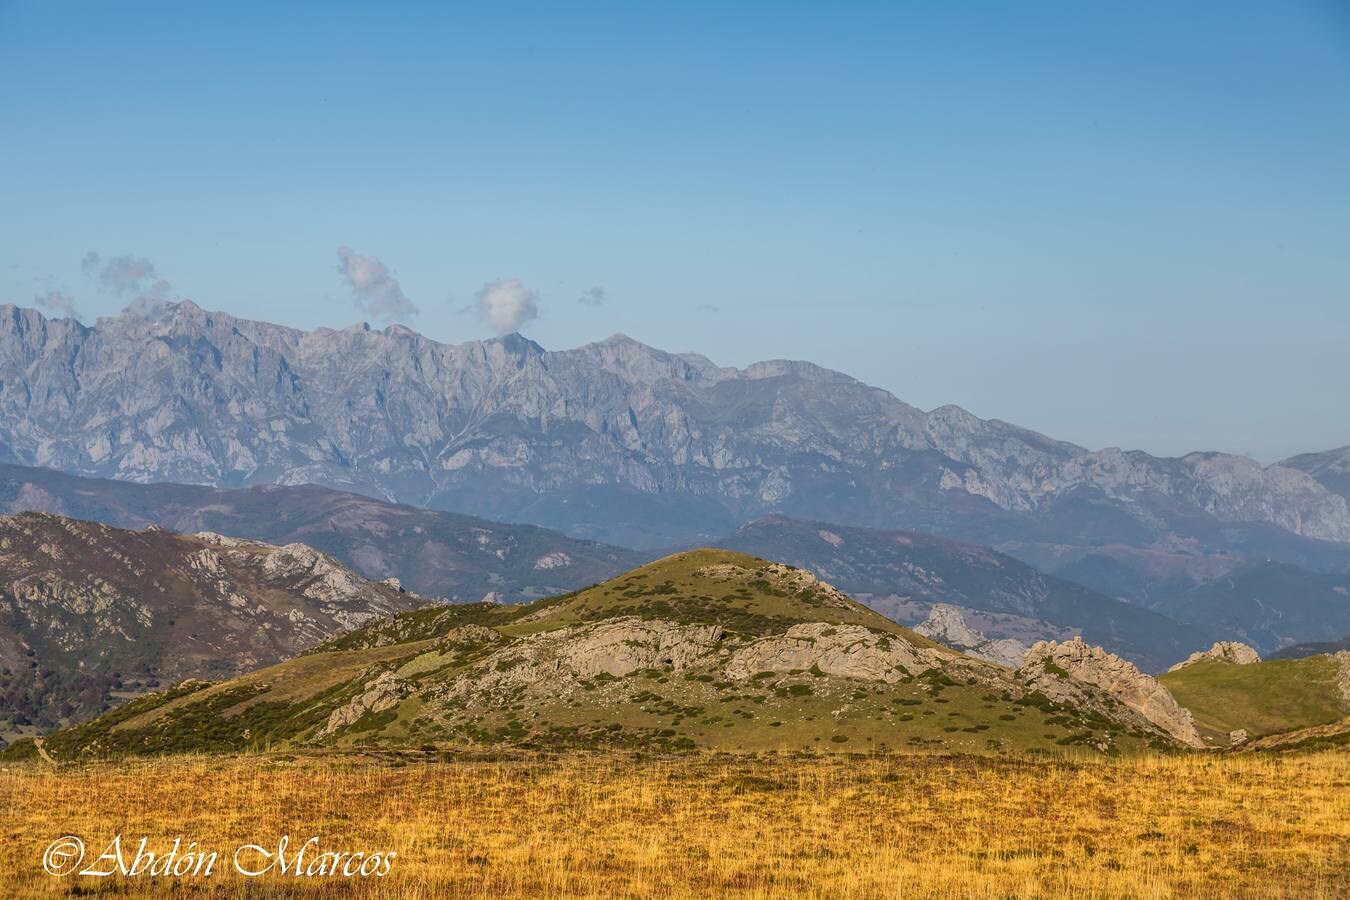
719, 826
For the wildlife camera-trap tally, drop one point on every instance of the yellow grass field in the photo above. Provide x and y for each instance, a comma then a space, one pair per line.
713, 826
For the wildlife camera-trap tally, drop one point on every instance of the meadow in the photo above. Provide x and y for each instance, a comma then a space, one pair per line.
713, 825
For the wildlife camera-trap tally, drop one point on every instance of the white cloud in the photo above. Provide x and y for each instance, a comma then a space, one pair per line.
596, 296
124, 275
507, 305
374, 287
708, 308
58, 301
129, 276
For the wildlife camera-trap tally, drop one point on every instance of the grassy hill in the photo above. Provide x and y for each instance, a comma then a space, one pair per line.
1262, 698
708, 648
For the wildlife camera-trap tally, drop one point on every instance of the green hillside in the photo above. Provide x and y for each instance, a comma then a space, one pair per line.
1262, 698
709, 648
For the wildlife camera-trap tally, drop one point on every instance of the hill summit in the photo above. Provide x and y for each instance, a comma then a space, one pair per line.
707, 648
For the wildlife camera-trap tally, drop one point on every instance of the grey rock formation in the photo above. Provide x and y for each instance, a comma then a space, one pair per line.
947, 625
614, 439
87, 610
385, 692
841, 651
1052, 667
1223, 651
1343, 673
553, 661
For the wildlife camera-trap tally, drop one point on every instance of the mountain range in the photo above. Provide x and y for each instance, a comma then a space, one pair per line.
613, 441
902, 574
456, 557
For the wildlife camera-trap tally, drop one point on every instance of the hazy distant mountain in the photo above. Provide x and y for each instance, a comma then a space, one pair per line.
1331, 468
1268, 605
452, 556
903, 574
1301, 651
614, 440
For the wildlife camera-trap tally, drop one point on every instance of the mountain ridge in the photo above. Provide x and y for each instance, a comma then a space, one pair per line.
612, 439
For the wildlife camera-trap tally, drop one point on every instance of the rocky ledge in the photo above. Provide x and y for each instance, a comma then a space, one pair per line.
1053, 667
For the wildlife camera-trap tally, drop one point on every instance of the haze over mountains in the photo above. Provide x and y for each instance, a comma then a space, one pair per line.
613, 441
460, 558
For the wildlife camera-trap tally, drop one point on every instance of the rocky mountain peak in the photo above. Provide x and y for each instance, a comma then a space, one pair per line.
666, 444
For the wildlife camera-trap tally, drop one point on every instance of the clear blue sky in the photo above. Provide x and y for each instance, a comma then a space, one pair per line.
1122, 224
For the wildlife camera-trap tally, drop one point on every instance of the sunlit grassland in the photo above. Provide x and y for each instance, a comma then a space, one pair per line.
717, 825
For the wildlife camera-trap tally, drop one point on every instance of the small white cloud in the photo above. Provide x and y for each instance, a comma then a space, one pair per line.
507, 305
596, 296
58, 301
374, 288
708, 308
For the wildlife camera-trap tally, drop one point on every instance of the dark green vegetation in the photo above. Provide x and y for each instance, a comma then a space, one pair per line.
1262, 698
543, 676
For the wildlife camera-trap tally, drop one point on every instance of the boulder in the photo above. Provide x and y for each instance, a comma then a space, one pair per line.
1224, 651
386, 691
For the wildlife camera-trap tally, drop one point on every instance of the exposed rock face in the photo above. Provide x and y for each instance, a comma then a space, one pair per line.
947, 625
1343, 675
506, 429
1237, 736
385, 692
1223, 651
1051, 667
106, 609
842, 651
431, 552
553, 661
1331, 468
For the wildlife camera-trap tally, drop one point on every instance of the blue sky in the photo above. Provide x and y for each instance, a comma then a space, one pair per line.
1120, 224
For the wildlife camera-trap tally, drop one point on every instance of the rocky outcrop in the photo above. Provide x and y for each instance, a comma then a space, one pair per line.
947, 625
111, 611
1342, 660
555, 661
385, 692
840, 651
1223, 651
1053, 668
